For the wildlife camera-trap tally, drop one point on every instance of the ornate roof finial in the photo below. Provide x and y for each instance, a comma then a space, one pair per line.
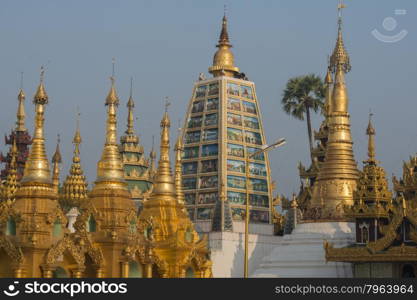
77, 137
57, 157
112, 96
37, 165
178, 167
370, 131
328, 80
165, 120
340, 57
223, 61
152, 156
329, 83
130, 105
41, 97
21, 115
56, 160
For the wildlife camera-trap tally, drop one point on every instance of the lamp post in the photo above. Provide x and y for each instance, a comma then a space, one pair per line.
265, 148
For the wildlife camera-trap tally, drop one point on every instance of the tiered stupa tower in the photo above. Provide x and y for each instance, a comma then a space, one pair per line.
138, 173
223, 124
338, 175
179, 249
114, 210
41, 221
23, 140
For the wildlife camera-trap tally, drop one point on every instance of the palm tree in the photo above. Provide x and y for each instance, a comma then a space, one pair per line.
302, 94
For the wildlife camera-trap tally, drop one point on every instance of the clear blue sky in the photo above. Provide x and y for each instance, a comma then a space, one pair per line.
164, 45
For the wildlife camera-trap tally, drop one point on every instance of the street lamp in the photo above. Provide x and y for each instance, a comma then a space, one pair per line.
264, 148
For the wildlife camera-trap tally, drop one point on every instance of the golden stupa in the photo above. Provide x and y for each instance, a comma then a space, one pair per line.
52, 231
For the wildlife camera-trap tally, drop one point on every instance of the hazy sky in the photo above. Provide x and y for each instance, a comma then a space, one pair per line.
164, 45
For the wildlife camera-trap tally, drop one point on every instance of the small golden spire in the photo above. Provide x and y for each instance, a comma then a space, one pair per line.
11, 184
178, 168
57, 157
74, 190
163, 180
112, 96
56, 160
329, 89
110, 167
41, 97
37, 165
21, 115
223, 61
130, 106
152, 156
370, 131
328, 80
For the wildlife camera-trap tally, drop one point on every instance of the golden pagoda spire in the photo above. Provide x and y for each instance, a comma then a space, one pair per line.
370, 131
152, 156
110, 167
56, 160
37, 165
223, 61
74, 190
130, 106
338, 175
21, 115
329, 85
372, 189
11, 184
340, 64
179, 148
163, 180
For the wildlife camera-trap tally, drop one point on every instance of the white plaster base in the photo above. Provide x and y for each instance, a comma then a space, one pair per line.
301, 253
227, 249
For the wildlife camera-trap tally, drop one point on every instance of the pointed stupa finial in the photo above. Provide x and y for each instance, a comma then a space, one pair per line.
370, 131
112, 96
77, 136
328, 79
329, 88
21, 114
130, 105
163, 180
340, 64
178, 166
223, 61
56, 160
340, 58
57, 157
41, 97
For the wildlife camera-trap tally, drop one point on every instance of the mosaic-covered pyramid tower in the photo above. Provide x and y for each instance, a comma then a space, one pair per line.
222, 126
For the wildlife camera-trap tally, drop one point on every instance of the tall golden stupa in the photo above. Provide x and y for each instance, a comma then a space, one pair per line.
338, 175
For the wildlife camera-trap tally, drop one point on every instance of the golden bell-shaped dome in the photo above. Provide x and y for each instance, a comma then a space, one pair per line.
224, 61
